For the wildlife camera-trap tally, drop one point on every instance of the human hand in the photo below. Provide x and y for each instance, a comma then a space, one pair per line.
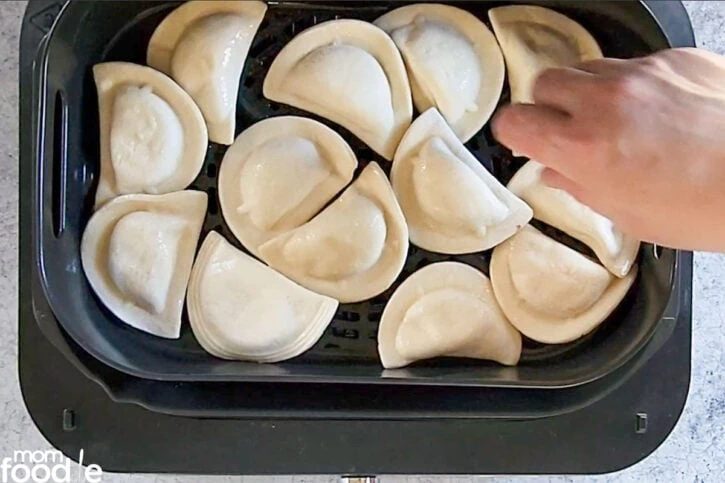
641, 141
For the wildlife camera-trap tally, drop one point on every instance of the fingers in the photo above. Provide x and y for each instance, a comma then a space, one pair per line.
606, 206
606, 66
536, 132
700, 66
566, 89
554, 179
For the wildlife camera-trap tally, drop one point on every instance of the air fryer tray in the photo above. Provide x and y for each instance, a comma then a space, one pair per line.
67, 154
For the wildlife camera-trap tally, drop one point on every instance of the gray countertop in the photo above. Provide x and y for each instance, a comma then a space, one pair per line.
694, 452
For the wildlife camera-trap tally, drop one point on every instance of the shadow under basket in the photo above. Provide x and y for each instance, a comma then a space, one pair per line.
66, 168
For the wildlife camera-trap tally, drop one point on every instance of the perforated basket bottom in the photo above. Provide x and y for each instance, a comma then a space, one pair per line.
351, 337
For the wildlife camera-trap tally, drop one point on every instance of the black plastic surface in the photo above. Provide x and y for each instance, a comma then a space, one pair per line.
598, 438
88, 33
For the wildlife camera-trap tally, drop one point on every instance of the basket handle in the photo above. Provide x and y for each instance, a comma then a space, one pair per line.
51, 135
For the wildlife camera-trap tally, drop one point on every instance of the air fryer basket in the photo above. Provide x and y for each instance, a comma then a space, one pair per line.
67, 155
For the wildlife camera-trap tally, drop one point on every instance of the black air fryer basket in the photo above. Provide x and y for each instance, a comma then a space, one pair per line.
68, 168
341, 375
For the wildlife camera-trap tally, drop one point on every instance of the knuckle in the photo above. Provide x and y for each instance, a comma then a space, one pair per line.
653, 64
625, 87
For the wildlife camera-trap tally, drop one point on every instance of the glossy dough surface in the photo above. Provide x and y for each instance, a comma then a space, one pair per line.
137, 252
551, 293
278, 174
536, 38
153, 137
241, 309
445, 309
453, 61
352, 250
556, 207
451, 202
350, 72
203, 45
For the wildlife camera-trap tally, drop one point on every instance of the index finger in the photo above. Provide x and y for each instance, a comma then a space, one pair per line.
604, 66
564, 88
537, 132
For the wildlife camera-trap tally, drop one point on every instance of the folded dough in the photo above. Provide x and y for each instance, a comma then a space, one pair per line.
551, 293
536, 38
445, 309
137, 252
203, 45
351, 73
451, 202
453, 60
352, 250
241, 309
556, 207
153, 137
278, 174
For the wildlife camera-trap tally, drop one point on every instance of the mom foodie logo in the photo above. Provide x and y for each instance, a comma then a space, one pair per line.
46, 467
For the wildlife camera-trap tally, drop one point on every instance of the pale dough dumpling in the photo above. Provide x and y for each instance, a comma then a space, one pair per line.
446, 309
351, 73
241, 309
551, 293
203, 45
153, 137
278, 174
536, 38
352, 250
617, 251
453, 60
451, 202
137, 252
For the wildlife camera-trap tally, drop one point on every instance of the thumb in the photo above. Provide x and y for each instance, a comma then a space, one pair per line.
554, 179
587, 197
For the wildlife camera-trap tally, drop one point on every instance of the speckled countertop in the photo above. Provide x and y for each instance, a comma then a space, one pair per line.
694, 452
